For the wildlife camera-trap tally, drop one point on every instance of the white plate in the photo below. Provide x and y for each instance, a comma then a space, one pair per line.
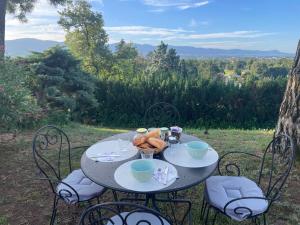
100, 149
180, 157
123, 176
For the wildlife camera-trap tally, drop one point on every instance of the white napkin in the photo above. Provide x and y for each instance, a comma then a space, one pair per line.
164, 175
107, 156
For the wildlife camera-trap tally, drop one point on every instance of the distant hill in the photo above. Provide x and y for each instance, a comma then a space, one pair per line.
24, 46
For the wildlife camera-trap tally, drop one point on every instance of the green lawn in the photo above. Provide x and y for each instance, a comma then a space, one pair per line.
25, 200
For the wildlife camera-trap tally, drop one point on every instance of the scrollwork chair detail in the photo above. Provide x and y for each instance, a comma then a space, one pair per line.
122, 213
241, 198
52, 155
161, 114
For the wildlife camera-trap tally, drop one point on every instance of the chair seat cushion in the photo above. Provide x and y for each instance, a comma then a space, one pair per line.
85, 188
222, 189
135, 217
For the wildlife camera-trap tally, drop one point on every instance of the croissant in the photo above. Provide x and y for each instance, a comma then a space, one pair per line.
154, 134
157, 143
139, 140
145, 146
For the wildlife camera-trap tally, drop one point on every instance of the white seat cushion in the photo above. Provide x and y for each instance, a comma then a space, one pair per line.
85, 188
222, 189
135, 217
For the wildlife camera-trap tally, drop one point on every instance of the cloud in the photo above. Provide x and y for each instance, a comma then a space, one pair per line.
181, 34
145, 31
42, 24
193, 23
163, 3
158, 10
153, 35
178, 4
222, 35
43, 32
192, 5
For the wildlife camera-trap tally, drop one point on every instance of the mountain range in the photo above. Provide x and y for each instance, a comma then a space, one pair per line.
24, 46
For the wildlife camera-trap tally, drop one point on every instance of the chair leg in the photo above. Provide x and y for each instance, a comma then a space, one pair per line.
54, 210
115, 196
190, 218
207, 215
215, 217
265, 220
203, 208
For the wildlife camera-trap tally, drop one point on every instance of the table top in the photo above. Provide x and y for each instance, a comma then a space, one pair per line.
102, 173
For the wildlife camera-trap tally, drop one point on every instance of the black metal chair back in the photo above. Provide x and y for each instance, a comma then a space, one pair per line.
276, 166
161, 114
122, 213
51, 153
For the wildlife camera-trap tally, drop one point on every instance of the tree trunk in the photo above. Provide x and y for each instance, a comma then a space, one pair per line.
289, 114
3, 4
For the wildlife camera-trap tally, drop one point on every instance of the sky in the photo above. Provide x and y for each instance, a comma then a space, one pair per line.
225, 24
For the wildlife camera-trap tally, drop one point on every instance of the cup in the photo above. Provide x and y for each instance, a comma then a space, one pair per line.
142, 170
197, 149
173, 143
147, 153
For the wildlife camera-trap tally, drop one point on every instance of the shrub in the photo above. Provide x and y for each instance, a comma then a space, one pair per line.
18, 106
60, 86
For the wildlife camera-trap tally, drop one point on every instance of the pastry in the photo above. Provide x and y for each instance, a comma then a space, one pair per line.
157, 143
139, 140
145, 145
153, 134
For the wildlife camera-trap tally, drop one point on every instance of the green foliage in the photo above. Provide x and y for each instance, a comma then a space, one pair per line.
163, 59
60, 86
18, 107
201, 102
241, 98
125, 51
127, 62
86, 38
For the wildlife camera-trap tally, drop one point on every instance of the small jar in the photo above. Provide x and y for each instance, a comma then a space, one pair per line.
151, 129
176, 131
140, 132
164, 133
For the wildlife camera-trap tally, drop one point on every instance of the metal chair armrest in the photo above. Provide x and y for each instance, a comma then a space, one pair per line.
231, 166
83, 146
81, 149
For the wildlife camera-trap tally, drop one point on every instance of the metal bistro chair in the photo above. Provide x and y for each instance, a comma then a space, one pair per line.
241, 198
52, 155
161, 114
122, 213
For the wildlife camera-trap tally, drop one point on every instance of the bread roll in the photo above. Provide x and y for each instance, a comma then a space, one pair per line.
154, 134
157, 143
139, 140
145, 146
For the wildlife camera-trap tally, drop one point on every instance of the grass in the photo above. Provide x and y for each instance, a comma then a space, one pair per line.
25, 200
